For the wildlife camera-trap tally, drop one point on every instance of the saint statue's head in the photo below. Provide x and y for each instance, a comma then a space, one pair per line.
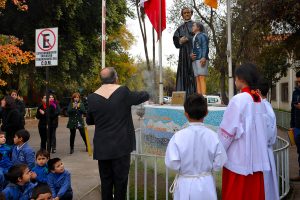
186, 13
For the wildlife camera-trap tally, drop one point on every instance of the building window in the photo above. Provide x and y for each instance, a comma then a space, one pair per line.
273, 93
284, 92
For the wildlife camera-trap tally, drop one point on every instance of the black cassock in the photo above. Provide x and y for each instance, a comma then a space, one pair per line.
185, 80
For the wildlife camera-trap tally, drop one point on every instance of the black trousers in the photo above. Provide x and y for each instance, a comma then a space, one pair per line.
114, 177
53, 137
43, 136
73, 134
67, 196
297, 141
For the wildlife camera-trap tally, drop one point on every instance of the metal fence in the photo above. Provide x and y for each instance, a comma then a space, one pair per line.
283, 118
149, 178
281, 154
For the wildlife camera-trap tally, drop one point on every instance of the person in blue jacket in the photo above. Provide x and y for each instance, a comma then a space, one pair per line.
59, 180
19, 187
200, 57
5, 160
5, 154
22, 153
40, 171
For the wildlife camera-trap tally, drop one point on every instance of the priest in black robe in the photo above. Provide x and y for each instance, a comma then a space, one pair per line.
183, 39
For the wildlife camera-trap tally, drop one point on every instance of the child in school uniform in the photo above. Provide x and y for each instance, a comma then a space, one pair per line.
22, 153
5, 154
19, 187
5, 160
243, 133
270, 177
40, 171
195, 152
200, 56
59, 180
41, 192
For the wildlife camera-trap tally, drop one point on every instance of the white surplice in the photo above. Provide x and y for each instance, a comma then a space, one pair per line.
194, 153
243, 135
270, 177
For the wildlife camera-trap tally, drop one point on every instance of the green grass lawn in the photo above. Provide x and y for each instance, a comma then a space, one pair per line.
161, 179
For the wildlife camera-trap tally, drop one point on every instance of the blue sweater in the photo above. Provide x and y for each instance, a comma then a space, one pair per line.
25, 155
41, 172
59, 183
17, 192
5, 157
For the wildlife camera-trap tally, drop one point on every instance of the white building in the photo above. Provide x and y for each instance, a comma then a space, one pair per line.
281, 96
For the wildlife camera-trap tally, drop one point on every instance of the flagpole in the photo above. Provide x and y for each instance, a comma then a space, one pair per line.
229, 51
103, 34
160, 55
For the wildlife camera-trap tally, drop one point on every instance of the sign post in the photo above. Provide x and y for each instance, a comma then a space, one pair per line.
46, 54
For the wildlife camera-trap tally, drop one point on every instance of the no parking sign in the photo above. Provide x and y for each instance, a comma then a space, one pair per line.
46, 52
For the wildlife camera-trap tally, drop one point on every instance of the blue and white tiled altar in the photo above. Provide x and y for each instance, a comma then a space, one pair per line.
161, 122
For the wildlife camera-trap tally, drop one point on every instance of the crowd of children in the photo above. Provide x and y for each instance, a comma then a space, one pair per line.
25, 175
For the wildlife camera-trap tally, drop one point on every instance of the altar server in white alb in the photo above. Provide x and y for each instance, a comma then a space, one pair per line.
244, 134
195, 152
270, 177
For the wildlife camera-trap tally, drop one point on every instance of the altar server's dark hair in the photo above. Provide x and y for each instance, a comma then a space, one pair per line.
196, 106
264, 86
248, 72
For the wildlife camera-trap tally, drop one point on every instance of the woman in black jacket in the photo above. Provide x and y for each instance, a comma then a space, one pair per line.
11, 119
54, 110
75, 111
41, 114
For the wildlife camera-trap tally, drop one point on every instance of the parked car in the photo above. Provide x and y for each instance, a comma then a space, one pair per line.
212, 99
167, 100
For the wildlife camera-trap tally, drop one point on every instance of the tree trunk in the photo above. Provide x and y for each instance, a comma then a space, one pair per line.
223, 86
141, 18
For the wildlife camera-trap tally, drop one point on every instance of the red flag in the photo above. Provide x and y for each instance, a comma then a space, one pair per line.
151, 8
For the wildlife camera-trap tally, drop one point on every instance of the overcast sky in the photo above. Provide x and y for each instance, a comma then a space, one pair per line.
167, 40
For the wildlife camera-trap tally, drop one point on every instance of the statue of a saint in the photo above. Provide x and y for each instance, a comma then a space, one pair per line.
183, 39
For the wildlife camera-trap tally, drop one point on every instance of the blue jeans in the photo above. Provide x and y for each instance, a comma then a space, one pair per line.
297, 141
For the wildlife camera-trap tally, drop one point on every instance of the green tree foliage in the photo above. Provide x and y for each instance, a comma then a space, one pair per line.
169, 80
79, 26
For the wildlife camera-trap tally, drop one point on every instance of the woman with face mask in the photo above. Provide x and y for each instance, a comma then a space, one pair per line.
75, 111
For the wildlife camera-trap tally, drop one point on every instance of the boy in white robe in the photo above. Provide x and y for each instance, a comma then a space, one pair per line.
270, 177
195, 152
